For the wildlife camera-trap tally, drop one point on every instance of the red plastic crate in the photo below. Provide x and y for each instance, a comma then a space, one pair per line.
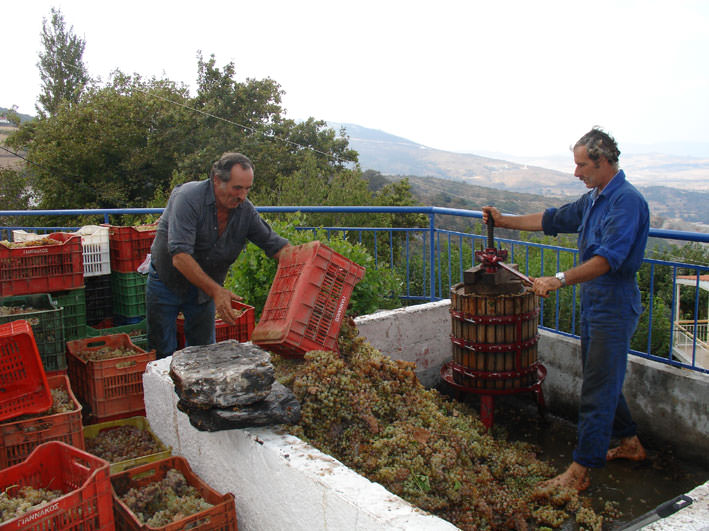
129, 246
307, 301
20, 437
23, 382
109, 388
83, 478
221, 517
241, 331
42, 268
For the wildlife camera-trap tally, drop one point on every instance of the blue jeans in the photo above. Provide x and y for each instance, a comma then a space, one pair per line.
162, 308
609, 317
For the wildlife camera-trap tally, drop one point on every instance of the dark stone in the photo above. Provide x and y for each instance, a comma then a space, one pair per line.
280, 407
222, 375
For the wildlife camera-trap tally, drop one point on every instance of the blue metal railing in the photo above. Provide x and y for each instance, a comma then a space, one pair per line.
432, 259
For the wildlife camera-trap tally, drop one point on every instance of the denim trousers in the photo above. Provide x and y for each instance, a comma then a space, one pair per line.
608, 321
162, 308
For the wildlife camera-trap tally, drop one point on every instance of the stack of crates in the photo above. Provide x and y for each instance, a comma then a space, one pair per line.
97, 273
129, 248
28, 393
96, 263
32, 268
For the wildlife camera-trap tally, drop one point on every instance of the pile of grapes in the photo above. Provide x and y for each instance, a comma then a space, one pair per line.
163, 502
30, 243
372, 414
16, 501
122, 443
15, 310
61, 403
106, 353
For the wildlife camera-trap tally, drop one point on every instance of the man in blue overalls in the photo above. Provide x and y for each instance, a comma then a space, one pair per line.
612, 222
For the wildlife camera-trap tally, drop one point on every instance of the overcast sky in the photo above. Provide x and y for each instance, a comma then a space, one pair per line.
520, 77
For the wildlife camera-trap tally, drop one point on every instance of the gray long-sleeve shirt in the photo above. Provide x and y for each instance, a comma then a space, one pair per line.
189, 225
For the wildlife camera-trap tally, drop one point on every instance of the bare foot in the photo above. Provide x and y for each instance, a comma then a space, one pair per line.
629, 448
575, 477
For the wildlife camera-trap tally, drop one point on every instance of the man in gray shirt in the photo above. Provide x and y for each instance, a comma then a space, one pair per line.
202, 231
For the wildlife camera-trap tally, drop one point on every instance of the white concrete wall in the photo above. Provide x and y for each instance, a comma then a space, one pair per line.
278, 481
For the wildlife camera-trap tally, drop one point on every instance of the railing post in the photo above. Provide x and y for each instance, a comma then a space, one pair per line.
432, 253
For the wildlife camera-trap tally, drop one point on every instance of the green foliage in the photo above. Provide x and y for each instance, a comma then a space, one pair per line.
113, 149
14, 195
61, 67
252, 274
661, 328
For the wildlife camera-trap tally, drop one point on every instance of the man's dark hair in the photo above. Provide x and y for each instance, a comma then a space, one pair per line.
222, 167
599, 144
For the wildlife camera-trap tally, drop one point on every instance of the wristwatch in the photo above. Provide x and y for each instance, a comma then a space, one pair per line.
561, 277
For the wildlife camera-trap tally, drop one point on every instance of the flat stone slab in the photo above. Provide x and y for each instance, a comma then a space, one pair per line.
222, 375
280, 407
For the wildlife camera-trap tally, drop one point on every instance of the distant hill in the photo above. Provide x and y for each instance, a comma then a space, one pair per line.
393, 155
23, 117
443, 178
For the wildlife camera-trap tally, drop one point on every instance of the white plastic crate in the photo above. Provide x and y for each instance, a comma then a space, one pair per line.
97, 254
95, 245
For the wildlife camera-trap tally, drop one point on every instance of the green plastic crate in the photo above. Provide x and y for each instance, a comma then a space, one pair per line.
47, 326
137, 332
128, 291
74, 304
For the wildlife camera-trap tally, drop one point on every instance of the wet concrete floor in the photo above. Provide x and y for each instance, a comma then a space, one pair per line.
637, 487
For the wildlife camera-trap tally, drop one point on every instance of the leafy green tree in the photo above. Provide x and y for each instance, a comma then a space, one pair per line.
248, 117
61, 67
116, 148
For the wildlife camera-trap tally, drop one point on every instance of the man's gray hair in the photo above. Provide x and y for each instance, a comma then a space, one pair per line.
599, 144
222, 167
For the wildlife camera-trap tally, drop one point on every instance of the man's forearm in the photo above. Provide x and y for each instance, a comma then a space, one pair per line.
528, 222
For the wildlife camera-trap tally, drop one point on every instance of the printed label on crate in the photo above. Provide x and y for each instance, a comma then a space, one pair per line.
41, 513
36, 250
341, 309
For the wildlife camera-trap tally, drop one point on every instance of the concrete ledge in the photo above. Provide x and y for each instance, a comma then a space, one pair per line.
279, 481
418, 333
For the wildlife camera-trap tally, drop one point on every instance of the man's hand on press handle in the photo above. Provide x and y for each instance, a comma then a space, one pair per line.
496, 216
222, 305
542, 286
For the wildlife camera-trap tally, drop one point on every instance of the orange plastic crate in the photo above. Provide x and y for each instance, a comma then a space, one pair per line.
109, 388
307, 301
23, 382
20, 437
83, 478
241, 331
42, 268
129, 246
221, 517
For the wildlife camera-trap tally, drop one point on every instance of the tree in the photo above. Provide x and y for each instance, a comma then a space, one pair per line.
61, 67
115, 148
